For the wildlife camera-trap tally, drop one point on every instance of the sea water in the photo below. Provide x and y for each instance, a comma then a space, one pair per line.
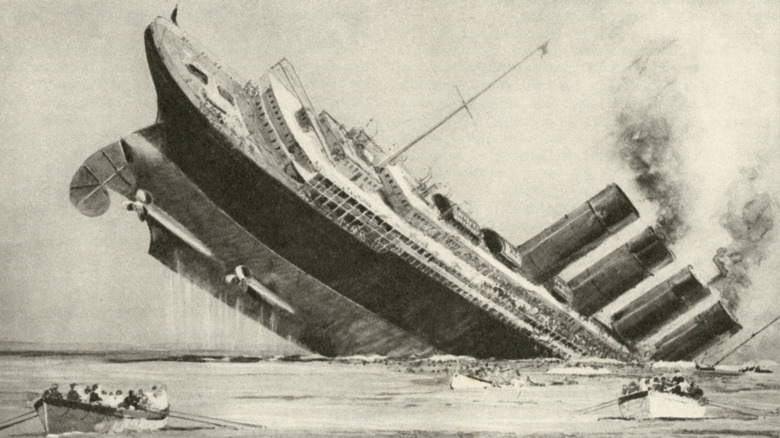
376, 396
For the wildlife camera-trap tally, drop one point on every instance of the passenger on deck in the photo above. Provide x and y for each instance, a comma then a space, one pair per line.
94, 397
631, 388
664, 384
116, 399
109, 399
143, 400
684, 386
675, 386
657, 384
694, 391
158, 400
84, 394
164, 396
73, 395
130, 402
53, 392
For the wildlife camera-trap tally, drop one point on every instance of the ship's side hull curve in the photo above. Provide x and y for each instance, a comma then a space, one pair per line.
320, 316
278, 217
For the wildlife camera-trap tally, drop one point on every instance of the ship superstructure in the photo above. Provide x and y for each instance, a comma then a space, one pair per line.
316, 232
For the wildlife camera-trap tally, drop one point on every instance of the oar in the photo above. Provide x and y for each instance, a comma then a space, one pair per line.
239, 423
725, 406
728, 408
183, 415
599, 406
18, 422
201, 421
18, 416
608, 405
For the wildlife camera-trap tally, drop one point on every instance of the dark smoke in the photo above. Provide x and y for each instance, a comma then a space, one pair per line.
650, 126
749, 220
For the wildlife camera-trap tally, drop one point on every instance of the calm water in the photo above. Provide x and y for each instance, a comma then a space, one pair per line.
389, 398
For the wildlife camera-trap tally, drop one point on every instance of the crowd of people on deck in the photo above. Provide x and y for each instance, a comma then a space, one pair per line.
676, 384
528, 307
154, 399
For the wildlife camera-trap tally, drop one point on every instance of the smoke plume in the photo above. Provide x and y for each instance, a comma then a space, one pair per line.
650, 126
749, 220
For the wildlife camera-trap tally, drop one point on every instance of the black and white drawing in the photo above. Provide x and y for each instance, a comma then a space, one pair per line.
359, 218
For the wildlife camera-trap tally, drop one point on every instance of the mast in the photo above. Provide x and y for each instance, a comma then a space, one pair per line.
747, 340
393, 158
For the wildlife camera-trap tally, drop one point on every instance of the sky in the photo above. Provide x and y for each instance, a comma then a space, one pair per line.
541, 142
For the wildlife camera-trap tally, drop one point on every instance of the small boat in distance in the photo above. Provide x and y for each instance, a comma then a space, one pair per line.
63, 416
712, 371
643, 405
755, 369
459, 381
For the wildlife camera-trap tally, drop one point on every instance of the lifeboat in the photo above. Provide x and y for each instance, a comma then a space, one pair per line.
644, 405
459, 381
63, 416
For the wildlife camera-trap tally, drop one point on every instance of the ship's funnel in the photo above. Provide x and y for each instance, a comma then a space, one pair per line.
655, 308
576, 234
618, 272
697, 334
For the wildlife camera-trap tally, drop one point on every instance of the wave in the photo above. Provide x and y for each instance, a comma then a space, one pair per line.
580, 371
599, 360
680, 364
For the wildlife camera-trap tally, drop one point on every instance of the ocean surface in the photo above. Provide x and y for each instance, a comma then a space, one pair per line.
375, 396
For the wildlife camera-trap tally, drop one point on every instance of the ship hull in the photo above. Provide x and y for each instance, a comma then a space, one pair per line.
268, 208
324, 320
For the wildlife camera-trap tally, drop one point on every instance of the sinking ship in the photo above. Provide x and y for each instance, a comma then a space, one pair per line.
317, 233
